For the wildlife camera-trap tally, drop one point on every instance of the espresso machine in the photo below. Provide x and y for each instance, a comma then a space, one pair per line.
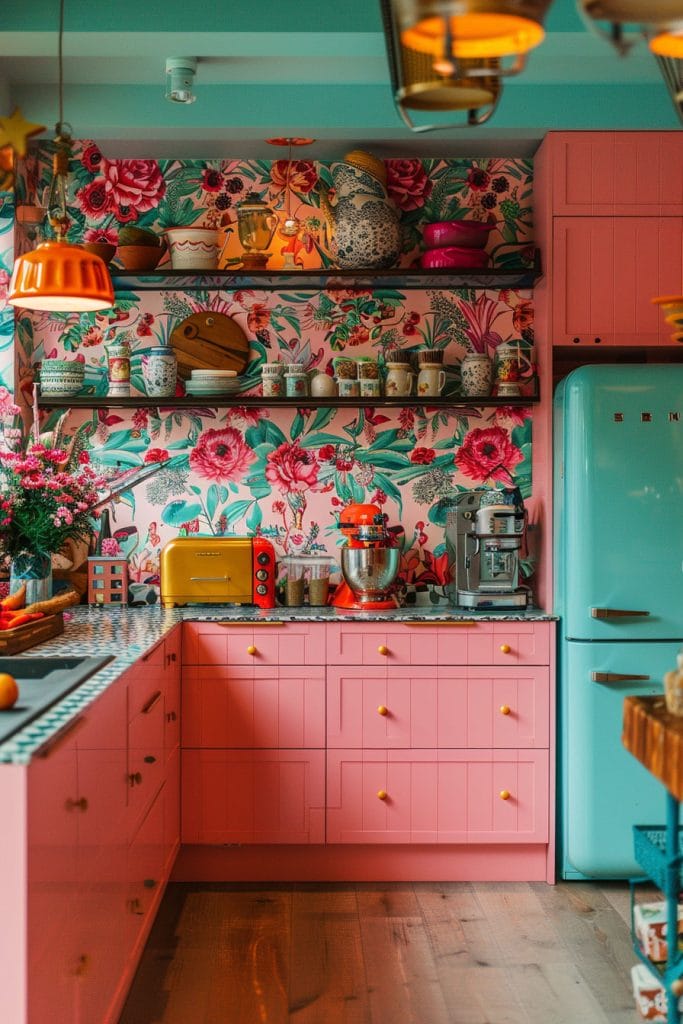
485, 535
369, 565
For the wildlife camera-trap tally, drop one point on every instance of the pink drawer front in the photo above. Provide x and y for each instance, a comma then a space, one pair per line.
460, 642
240, 643
146, 760
253, 707
437, 796
429, 706
253, 796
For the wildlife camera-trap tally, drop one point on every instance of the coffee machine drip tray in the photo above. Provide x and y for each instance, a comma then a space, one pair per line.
498, 602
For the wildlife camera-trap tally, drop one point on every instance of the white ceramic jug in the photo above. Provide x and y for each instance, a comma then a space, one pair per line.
430, 379
399, 379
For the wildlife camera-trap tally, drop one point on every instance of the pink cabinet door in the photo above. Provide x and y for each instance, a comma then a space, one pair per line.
437, 707
146, 761
253, 707
437, 796
253, 796
240, 643
616, 173
606, 272
146, 678
457, 642
145, 870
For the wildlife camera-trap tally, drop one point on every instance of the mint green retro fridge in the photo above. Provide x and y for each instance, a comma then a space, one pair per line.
618, 556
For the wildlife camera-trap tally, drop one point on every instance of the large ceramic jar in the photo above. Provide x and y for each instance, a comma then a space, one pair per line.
476, 373
363, 222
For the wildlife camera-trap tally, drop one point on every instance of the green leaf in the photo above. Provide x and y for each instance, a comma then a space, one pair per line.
178, 512
235, 510
266, 432
391, 491
212, 498
439, 511
254, 518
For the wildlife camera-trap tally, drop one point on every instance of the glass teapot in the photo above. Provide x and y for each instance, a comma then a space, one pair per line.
256, 224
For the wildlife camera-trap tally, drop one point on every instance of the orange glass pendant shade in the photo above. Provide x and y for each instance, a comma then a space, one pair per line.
475, 36
668, 44
62, 277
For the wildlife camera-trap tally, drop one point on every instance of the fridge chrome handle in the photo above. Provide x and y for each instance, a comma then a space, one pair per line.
616, 677
615, 613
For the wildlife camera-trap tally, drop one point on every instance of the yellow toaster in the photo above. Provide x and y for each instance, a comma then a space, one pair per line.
218, 570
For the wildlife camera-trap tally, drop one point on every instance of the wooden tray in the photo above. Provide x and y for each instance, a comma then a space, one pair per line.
13, 641
209, 341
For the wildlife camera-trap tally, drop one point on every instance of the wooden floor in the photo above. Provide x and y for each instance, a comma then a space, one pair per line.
419, 953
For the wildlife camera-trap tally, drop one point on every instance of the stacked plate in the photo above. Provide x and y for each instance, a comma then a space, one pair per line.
203, 383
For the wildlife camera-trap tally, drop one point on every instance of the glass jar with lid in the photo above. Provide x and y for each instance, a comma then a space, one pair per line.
256, 224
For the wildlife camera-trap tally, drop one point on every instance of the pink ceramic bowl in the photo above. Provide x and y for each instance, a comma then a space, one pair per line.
454, 256
470, 234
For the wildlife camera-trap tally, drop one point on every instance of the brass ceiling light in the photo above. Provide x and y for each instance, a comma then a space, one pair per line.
453, 31
660, 21
57, 275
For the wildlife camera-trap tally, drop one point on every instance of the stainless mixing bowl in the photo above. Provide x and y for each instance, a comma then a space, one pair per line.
369, 571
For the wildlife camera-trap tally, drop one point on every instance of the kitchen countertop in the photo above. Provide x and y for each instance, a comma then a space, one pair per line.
128, 633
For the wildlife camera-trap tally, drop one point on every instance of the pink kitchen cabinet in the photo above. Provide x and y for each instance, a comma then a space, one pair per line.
615, 173
146, 863
461, 642
76, 858
606, 272
242, 643
437, 796
253, 796
437, 707
171, 690
241, 706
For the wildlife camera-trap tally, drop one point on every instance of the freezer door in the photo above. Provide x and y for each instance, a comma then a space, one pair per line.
620, 488
604, 789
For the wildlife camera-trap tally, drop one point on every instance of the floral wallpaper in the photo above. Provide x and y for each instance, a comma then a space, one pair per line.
286, 473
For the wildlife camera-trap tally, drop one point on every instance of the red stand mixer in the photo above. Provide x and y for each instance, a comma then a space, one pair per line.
369, 566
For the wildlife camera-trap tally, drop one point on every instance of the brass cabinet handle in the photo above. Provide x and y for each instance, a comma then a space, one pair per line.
615, 613
615, 677
151, 702
149, 759
146, 657
505, 648
171, 716
135, 778
382, 710
170, 658
504, 709
504, 794
382, 649
382, 794
135, 907
73, 805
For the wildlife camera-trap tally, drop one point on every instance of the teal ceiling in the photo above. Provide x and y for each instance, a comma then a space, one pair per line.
273, 68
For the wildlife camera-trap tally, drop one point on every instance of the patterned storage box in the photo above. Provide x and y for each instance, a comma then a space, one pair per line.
649, 922
649, 994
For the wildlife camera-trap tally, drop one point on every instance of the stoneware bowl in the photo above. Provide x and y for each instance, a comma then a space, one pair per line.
139, 257
61, 377
105, 250
469, 234
454, 256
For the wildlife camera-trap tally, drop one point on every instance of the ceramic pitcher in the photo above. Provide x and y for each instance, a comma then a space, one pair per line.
363, 224
431, 379
399, 379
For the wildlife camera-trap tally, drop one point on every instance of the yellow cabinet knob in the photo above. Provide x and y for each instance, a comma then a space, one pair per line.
505, 794
251, 649
505, 648
381, 710
382, 794
505, 709
382, 649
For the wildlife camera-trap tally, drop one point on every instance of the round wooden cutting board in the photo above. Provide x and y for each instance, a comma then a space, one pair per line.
209, 341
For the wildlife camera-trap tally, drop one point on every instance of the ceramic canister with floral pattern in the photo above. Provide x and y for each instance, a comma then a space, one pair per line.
159, 371
476, 374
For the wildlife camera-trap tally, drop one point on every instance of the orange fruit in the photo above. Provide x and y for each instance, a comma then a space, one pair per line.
9, 691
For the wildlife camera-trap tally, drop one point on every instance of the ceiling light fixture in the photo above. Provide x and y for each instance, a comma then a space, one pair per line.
672, 72
291, 226
419, 83
58, 275
180, 72
453, 31
660, 21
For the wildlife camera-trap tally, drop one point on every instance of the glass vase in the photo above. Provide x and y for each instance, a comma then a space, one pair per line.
35, 570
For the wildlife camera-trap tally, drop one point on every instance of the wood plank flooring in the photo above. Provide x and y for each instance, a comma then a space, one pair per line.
419, 953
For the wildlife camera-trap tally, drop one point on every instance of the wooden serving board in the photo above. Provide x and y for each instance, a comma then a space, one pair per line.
655, 738
209, 341
13, 641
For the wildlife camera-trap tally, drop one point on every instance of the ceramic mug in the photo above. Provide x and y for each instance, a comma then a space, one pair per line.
513, 363
296, 385
159, 372
399, 379
430, 380
369, 388
273, 387
347, 388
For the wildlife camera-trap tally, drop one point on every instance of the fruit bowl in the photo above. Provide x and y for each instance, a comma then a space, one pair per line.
454, 256
470, 234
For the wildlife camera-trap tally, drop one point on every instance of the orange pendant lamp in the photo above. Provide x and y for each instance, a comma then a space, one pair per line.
660, 20
58, 275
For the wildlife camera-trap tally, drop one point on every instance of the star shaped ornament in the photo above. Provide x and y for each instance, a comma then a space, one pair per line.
15, 131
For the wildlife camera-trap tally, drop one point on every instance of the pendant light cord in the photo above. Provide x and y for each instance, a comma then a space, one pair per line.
289, 170
60, 61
